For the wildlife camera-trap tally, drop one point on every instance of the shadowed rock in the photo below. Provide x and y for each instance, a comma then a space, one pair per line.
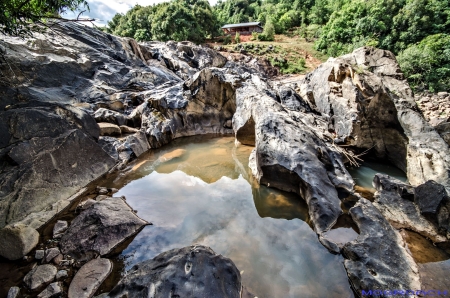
17, 241
89, 278
377, 259
193, 271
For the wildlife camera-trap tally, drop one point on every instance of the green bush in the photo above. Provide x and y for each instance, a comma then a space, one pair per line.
427, 64
237, 38
255, 36
268, 32
288, 67
226, 40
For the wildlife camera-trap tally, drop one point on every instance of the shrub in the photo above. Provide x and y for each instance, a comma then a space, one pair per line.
226, 40
237, 38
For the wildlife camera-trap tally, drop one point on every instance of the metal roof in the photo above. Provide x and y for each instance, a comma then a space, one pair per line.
242, 25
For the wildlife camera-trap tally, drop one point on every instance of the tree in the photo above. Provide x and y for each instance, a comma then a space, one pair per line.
17, 17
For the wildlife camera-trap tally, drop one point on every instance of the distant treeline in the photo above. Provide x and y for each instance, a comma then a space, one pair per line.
417, 31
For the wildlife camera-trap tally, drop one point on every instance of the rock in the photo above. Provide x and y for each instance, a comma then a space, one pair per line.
58, 259
194, 271
86, 204
100, 228
105, 115
53, 290
39, 255
61, 274
434, 204
302, 163
137, 143
177, 153
126, 129
89, 278
50, 254
394, 199
437, 121
377, 259
13, 292
17, 241
59, 227
102, 190
331, 246
40, 276
55, 155
442, 94
372, 107
109, 129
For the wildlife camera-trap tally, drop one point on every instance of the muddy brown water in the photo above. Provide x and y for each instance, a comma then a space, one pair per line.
200, 190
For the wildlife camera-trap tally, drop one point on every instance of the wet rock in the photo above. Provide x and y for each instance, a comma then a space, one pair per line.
109, 129
39, 254
59, 227
40, 276
137, 143
13, 292
100, 228
89, 278
401, 212
331, 246
53, 290
377, 259
61, 274
50, 254
194, 271
17, 241
177, 153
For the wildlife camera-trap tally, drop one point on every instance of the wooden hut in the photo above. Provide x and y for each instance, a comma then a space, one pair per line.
242, 28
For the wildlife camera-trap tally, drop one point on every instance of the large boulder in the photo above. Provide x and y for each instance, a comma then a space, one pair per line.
100, 228
377, 259
292, 151
370, 106
193, 271
17, 241
48, 152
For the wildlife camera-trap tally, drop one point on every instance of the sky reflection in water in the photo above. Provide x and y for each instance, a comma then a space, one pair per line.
205, 195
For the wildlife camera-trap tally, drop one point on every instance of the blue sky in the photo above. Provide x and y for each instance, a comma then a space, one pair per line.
104, 10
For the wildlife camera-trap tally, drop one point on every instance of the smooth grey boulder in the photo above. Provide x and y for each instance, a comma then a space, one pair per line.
40, 276
89, 278
370, 106
100, 228
52, 290
13, 292
193, 271
17, 241
400, 211
377, 259
293, 152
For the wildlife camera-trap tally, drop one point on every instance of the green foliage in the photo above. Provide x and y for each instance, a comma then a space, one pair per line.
237, 38
288, 67
175, 20
427, 64
255, 36
268, 33
226, 40
17, 17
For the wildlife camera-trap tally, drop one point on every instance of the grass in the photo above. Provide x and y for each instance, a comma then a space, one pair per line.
292, 54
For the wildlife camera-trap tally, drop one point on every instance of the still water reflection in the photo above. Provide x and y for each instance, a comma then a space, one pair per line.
199, 190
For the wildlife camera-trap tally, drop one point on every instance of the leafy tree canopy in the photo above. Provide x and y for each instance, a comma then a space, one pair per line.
17, 17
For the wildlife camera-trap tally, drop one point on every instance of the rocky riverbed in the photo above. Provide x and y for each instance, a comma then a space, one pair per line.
77, 104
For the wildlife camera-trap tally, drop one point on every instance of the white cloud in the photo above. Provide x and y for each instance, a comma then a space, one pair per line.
104, 10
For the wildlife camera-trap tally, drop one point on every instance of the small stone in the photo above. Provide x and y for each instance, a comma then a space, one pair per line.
39, 255
52, 290
102, 190
39, 276
13, 292
17, 241
109, 129
101, 197
89, 278
442, 94
228, 124
59, 228
58, 259
50, 254
127, 129
61, 274
86, 204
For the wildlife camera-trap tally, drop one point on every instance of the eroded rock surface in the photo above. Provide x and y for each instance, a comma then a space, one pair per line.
89, 278
377, 259
193, 271
39, 276
100, 228
17, 241
371, 106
